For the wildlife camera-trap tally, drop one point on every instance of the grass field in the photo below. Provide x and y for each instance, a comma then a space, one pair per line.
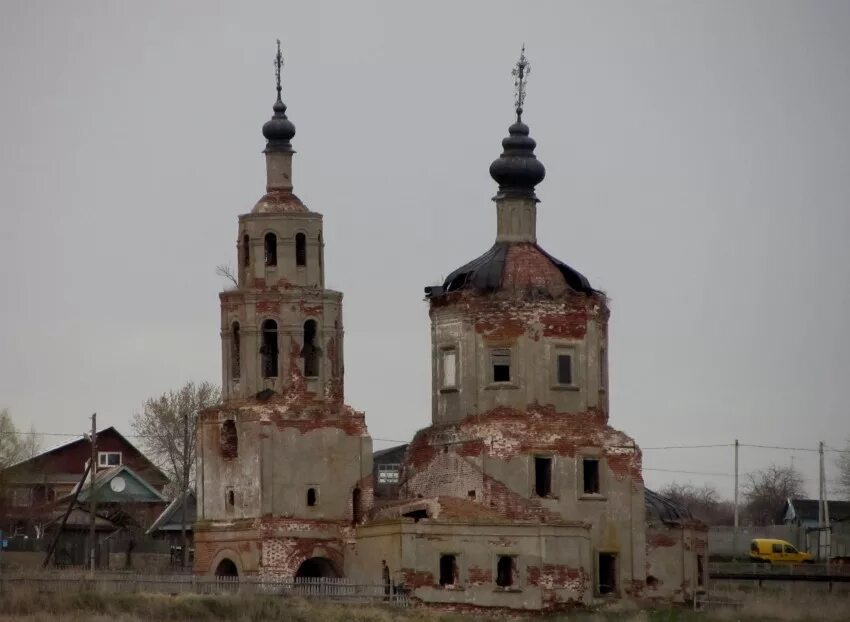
88, 606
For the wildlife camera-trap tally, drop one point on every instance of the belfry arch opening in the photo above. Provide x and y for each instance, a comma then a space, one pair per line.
226, 568
235, 354
270, 242
300, 249
310, 351
246, 250
317, 567
269, 349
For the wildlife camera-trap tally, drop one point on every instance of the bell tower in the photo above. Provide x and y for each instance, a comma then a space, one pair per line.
284, 465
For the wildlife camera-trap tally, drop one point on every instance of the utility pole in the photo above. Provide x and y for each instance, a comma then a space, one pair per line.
735, 529
185, 547
824, 535
92, 502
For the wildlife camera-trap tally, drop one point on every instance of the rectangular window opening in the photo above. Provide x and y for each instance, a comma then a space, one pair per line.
590, 468
312, 497
506, 571
607, 573
108, 458
388, 473
448, 569
542, 476
565, 369
700, 570
449, 363
501, 361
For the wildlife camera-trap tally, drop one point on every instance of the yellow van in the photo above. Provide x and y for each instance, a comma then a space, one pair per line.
777, 552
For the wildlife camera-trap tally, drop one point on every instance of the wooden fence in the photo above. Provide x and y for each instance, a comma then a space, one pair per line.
337, 590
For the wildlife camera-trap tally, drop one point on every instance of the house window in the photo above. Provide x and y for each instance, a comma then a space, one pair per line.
388, 473
607, 567
565, 369
506, 571
542, 476
270, 246
269, 349
235, 358
21, 497
108, 458
312, 497
590, 472
229, 440
448, 570
449, 369
300, 249
246, 250
500, 361
310, 352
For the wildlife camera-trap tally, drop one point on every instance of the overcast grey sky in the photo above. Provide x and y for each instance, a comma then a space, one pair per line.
698, 171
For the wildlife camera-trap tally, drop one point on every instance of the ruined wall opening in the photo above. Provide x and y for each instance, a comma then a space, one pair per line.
246, 250
506, 571
310, 352
542, 476
448, 569
700, 571
607, 568
300, 249
235, 356
590, 470
312, 497
229, 442
270, 247
226, 568
316, 568
230, 498
269, 349
565, 369
355, 506
500, 360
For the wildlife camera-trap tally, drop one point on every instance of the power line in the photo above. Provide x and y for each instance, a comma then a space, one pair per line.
689, 472
687, 446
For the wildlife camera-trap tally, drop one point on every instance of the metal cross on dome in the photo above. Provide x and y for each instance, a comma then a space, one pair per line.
278, 63
520, 73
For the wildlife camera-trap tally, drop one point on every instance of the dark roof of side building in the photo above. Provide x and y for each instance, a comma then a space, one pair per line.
661, 508
807, 510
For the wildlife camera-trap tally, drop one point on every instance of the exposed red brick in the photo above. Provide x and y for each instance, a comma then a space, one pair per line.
414, 579
528, 270
656, 540
268, 306
479, 576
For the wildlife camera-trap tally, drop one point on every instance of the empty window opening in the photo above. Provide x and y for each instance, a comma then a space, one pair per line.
269, 349
388, 473
311, 497
501, 361
506, 571
590, 467
270, 245
448, 569
416, 515
246, 250
108, 458
542, 476
300, 249
651, 582
355, 506
470, 494
700, 570
603, 368
449, 372
235, 356
229, 440
565, 369
226, 568
310, 352
607, 573
230, 497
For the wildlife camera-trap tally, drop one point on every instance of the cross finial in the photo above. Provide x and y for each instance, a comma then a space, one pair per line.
278, 63
520, 72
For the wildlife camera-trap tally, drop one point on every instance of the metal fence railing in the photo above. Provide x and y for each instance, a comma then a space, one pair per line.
761, 569
327, 589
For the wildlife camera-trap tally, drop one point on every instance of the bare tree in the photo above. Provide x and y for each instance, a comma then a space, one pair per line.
843, 466
703, 502
227, 272
767, 490
14, 445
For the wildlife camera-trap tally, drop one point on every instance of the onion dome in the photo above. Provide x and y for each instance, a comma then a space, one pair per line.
278, 130
517, 170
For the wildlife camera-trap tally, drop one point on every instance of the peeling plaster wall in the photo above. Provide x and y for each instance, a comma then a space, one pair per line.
671, 561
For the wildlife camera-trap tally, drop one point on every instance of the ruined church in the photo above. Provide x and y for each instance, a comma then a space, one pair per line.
519, 495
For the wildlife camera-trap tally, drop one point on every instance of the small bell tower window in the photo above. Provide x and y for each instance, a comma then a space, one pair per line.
270, 242
269, 349
246, 250
300, 249
235, 355
310, 352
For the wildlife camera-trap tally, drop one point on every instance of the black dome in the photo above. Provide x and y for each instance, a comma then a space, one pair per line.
517, 170
279, 130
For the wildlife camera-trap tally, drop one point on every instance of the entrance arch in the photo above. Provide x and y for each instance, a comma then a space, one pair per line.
226, 568
317, 567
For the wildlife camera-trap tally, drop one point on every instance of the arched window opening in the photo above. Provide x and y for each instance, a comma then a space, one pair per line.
229, 440
300, 249
226, 568
269, 349
310, 352
355, 506
316, 568
246, 250
311, 497
235, 353
270, 243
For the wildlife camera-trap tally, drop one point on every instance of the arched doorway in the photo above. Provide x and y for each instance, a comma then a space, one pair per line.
317, 567
226, 568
